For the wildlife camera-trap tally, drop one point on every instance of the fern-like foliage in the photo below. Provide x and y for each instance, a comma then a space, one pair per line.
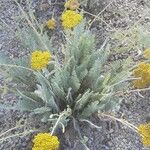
83, 83
137, 37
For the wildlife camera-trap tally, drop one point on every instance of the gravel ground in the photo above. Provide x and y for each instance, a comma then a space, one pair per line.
119, 14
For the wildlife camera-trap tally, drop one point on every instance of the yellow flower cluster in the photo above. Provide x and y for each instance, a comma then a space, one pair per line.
40, 59
72, 4
147, 54
144, 131
44, 141
51, 23
70, 19
143, 73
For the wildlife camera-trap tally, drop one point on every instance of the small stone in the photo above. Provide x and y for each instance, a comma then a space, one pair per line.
111, 130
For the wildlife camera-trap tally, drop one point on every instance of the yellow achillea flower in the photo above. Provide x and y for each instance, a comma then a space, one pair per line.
51, 23
40, 59
144, 131
142, 72
70, 19
45, 141
147, 54
72, 4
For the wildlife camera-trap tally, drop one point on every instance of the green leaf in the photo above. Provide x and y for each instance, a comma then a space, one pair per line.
41, 110
58, 91
83, 100
4, 59
90, 109
74, 82
46, 91
26, 103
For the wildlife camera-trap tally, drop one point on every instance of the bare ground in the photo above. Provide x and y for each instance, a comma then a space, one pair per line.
117, 14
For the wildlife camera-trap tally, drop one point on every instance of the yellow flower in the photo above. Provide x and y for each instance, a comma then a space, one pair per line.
147, 53
70, 19
143, 73
72, 4
40, 59
144, 131
51, 23
45, 141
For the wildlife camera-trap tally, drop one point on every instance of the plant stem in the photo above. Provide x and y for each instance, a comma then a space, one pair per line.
7, 26
56, 124
96, 17
131, 126
130, 91
19, 134
16, 66
31, 25
93, 125
124, 80
11, 130
139, 90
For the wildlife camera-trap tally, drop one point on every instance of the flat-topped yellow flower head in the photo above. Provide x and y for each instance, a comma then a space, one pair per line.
147, 53
72, 4
143, 73
40, 59
45, 141
51, 23
144, 131
70, 19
